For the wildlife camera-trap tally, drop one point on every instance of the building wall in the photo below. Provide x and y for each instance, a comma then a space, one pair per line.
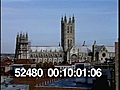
54, 57
117, 65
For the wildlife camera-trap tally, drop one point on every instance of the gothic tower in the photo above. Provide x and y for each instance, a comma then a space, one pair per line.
21, 51
67, 33
94, 48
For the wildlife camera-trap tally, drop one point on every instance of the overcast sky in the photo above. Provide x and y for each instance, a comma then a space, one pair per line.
94, 20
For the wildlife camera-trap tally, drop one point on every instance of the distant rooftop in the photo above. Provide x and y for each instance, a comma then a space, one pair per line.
15, 87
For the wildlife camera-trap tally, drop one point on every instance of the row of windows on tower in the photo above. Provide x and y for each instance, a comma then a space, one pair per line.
69, 29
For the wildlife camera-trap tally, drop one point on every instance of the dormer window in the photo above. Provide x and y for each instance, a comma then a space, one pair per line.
103, 48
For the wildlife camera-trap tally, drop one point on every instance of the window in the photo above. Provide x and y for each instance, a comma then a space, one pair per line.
71, 29
31, 56
55, 55
103, 48
103, 54
68, 42
68, 29
60, 55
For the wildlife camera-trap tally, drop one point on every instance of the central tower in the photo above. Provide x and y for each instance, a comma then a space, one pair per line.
67, 32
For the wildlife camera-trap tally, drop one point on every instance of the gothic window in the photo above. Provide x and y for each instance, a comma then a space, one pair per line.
103, 48
55, 55
71, 29
68, 42
31, 56
68, 29
73, 57
60, 55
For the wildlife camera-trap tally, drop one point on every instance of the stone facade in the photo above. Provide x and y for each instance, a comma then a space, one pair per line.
66, 52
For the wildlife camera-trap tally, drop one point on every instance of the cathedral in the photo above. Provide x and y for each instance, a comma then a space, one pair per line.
66, 52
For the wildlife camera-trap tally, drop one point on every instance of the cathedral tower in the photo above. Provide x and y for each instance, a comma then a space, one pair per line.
67, 32
22, 48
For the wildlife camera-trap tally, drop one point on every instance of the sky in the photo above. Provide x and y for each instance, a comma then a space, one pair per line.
94, 20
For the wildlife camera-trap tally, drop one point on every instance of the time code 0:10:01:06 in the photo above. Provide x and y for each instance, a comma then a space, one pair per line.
55, 72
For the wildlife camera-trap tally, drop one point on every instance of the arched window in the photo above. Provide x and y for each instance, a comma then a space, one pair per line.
68, 42
31, 56
36, 56
73, 57
60, 55
68, 29
71, 29
55, 55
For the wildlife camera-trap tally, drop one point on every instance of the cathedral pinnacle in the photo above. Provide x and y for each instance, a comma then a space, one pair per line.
26, 35
83, 43
69, 20
73, 19
65, 19
62, 18
95, 42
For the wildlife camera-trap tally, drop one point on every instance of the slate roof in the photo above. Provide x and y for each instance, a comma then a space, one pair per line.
110, 48
46, 48
85, 49
99, 48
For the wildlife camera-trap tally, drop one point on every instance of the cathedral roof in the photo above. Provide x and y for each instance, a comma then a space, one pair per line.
110, 48
85, 49
46, 48
99, 48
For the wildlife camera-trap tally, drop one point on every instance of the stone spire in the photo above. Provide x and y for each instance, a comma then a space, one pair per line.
65, 19
73, 19
83, 43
